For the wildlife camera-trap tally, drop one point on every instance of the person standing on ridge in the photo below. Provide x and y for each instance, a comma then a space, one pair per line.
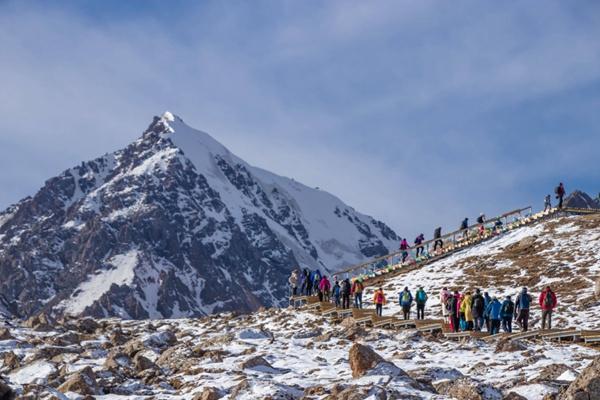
444, 296
522, 303
404, 248
420, 239
405, 300
293, 281
560, 193
481, 218
315, 284
548, 302
346, 293
357, 290
547, 203
506, 312
437, 234
494, 311
464, 227
421, 299
379, 300
478, 310
324, 288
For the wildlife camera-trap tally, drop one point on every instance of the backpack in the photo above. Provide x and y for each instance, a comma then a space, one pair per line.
379, 298
405, 297
346, 288
548, 300
480, 220
508, 308
421, 296
478, 303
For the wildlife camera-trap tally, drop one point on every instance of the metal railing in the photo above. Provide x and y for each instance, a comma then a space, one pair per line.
451, 241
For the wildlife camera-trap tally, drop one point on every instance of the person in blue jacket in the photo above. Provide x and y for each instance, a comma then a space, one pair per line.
508, 308
405, 299
309, 283
487, 300
494, 312
337, 292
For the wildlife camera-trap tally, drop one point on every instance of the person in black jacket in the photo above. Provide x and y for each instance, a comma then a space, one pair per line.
560, 193
437, 234
478, 309
346, 288
464, 226
452, 307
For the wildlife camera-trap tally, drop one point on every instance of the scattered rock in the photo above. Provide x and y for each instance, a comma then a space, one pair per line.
5, 334
254, 362
161, 339
208, 393
506, 345
551, 372
116, 360
467, 389
87, 325
82, 382
307, 334
40, 322
587, 384
6, 392
133, 347
363, 358
11, 361
142, 363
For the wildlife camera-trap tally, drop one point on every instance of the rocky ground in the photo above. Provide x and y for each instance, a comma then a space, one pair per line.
275, 354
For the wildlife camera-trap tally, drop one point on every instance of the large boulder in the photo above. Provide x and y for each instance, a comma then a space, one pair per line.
587, 385
208, 393
82, 382
507, 345
6, 392
365, 361
467, 389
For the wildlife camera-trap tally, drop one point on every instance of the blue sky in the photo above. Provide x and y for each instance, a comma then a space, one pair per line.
417, 112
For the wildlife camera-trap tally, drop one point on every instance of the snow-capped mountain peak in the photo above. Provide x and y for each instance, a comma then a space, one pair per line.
173, 225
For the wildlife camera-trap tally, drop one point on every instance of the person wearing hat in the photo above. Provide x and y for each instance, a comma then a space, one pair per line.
421, 299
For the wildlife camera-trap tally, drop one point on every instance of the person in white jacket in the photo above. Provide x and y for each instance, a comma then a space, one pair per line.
444, 295
293, 281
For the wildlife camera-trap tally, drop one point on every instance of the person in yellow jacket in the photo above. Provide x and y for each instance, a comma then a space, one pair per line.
379, 300
466, 308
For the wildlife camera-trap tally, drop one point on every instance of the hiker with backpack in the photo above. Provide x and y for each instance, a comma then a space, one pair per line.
522, 304
420, 249
452, 306
506, 312
345, 290
324, 289
379, 300
548, 302
464, 227
547, 203
405, 300
444, 296
420, 299
437, 234
404, 249
466, 308
481, 218
560, 193
337, 293
494, 311
486, 318
478, 307
357, 291
316, 282
293, 281
309, 283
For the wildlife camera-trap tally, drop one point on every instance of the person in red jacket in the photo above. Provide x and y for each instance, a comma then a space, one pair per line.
547, 302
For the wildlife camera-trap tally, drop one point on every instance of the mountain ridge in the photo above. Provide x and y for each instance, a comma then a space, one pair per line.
173, 225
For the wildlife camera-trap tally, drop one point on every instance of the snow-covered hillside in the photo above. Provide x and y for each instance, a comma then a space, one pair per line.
173, 225
563, 253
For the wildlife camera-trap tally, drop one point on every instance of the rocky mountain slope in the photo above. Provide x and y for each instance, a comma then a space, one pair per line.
579, 199
173, 225
295, 354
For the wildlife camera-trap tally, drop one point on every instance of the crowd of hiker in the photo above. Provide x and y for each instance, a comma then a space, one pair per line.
313, 283
468, 311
